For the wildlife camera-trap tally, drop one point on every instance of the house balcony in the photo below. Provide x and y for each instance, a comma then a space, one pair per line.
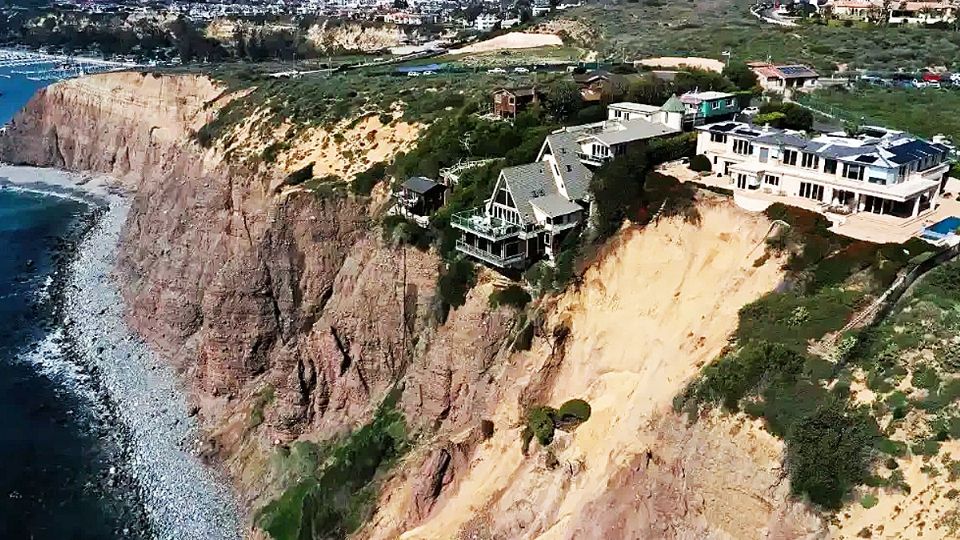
590, 159
478, 222
407, 200
491, 258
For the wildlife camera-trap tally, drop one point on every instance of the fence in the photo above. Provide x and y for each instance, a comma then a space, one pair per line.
819, 106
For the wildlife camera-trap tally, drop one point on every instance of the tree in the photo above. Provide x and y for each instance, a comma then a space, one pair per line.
562, 99
828, 452
740, 75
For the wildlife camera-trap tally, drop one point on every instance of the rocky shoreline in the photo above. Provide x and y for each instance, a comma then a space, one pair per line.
141, 410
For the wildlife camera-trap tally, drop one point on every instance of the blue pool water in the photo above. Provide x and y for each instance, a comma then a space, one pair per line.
946, 226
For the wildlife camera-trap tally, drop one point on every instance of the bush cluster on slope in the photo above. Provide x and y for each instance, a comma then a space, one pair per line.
336, 498
770, 372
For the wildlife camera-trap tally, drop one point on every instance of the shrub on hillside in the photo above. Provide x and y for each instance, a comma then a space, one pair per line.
574, 411
364, 182
513, 295
540, 422
773, 119
700, 163
828, 453
299, 176
456, 282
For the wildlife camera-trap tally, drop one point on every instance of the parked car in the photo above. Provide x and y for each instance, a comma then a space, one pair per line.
919, 84
496, 70
428, 72
413, 74
521, 70
750, 111
955, 78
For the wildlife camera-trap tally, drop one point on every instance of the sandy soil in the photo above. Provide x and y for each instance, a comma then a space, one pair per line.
673, 62
513, 40
660, 304
926, 512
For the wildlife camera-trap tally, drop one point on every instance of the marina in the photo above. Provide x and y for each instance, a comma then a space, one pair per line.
38, 66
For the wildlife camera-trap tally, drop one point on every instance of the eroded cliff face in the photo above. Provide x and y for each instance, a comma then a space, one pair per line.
253, 291
243, 286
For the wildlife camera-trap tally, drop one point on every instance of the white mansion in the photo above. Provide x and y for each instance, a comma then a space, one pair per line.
879, 170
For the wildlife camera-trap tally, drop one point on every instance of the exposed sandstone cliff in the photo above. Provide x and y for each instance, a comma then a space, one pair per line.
246, 289
238, 286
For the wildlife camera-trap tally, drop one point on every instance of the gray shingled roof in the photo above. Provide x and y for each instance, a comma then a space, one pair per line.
637, 129
527, 182
575, 175
555, 205
419, 184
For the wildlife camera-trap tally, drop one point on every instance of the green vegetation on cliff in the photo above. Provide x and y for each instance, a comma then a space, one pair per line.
788, 367
333, 490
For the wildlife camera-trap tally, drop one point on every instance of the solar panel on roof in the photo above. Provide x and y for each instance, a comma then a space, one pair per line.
866, 159
723, 127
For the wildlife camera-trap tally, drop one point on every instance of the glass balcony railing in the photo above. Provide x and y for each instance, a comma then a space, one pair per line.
478, 222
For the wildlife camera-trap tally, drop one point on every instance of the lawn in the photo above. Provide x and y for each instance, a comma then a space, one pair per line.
925, 112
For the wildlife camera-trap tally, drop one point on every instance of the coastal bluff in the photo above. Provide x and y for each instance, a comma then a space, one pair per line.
290, 318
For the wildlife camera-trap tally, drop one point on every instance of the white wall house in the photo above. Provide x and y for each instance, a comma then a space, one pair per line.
672, 117
879, 171
486, 22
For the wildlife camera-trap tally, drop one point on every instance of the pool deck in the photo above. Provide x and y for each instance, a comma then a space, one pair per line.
862, 226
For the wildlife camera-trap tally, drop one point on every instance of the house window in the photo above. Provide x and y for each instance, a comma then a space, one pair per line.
809, 161
742, 147
875, 180
718, 138
852, 172
830, 166
715, 105
730, 102
811, 191
771, 180
789, 157
504, 198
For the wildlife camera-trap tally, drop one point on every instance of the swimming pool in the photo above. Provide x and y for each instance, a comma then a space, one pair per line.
945, 226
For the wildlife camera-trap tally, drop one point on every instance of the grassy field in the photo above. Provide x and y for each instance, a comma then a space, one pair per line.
709, 27
924, 112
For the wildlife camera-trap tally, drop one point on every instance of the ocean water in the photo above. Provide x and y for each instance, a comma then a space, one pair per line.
59, 477
15, 91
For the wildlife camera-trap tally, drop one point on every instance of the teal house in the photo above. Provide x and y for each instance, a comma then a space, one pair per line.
708, 107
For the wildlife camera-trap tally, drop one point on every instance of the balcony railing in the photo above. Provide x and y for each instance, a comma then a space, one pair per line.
492, 258
478, 222
590, 158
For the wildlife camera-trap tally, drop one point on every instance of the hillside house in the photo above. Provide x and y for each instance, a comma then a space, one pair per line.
784, 78
600, 142
532, 210
707, 107
419, 197
670, 113
596, 84
922, 12
880, 171
508, 102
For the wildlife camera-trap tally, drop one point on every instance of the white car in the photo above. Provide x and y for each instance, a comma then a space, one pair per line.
413, 74
496, 70
955, 78
426, 73
521, 70
920, 84
751, 111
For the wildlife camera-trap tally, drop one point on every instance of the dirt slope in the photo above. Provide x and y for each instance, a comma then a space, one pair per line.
658, 305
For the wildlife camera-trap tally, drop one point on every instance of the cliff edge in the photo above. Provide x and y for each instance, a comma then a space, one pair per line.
291, 319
